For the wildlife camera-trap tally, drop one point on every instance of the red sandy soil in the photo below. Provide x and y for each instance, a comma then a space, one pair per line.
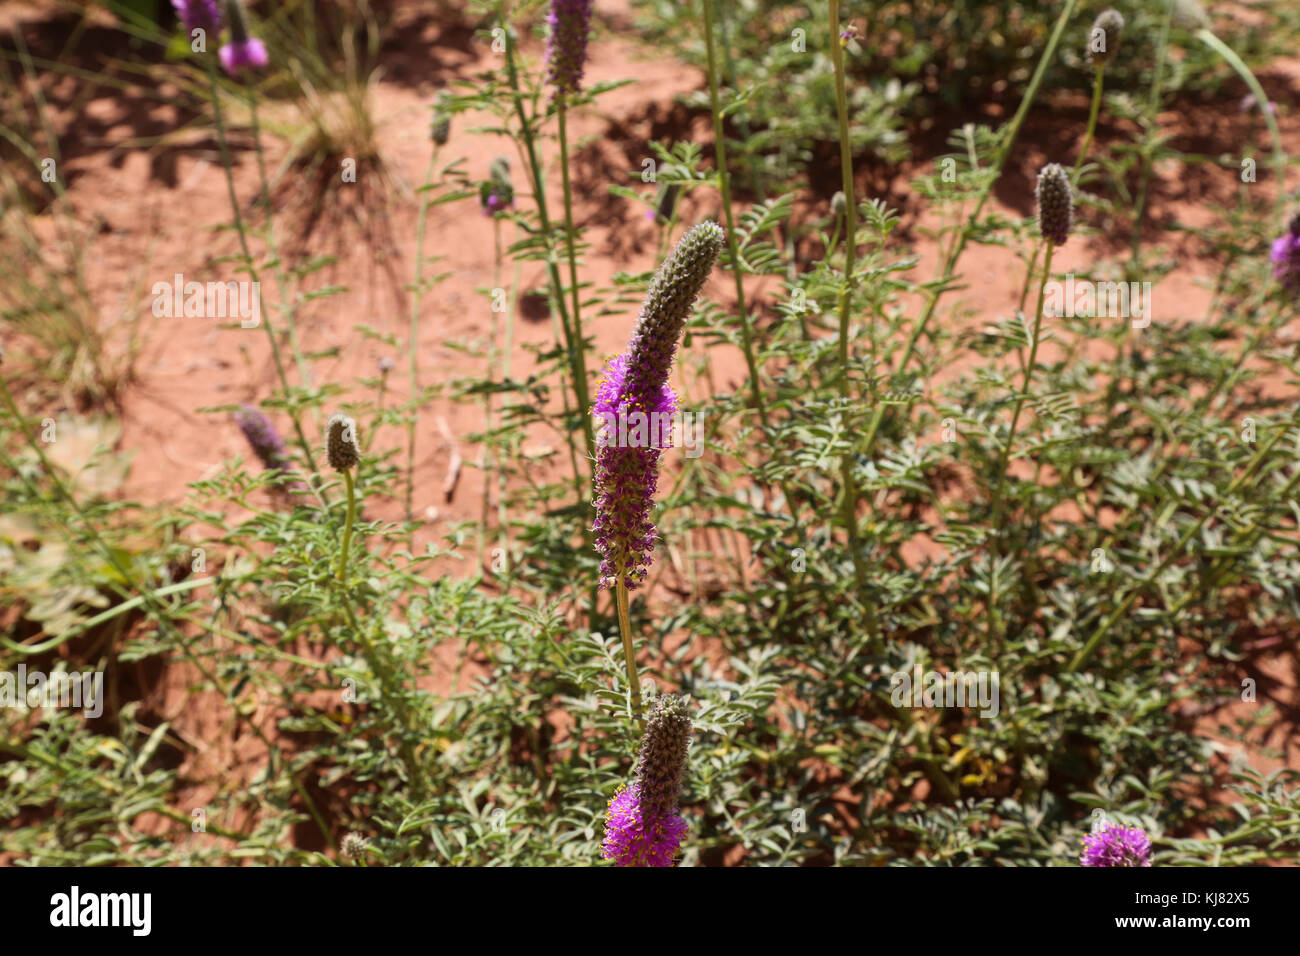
153, 226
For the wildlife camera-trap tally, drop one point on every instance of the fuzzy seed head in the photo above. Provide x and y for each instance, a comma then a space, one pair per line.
341, 448
668, 304
1103, 38
1055, 204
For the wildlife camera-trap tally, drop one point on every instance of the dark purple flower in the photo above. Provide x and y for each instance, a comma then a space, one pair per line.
262, 438
566, 44
497, 193
238, 55
632, 433
1114, 845
635, 407
636, 837
1285, 256
243, 51
198, 14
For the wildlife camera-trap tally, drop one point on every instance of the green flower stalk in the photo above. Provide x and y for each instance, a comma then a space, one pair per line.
635, 399
1103, 44
1055, 217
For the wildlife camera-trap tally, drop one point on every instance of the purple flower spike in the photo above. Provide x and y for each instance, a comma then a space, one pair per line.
635, 406
634, 430
642, 826
240, 55
566, 45
198, 15
1114, 845
635, 837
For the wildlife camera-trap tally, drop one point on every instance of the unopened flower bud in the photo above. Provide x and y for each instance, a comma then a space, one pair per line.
1055, 204
341, 448
1103, 38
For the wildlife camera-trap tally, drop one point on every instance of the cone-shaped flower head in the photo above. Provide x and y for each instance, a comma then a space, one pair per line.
1285, 256
198, 15
642, 826
1103, 38
243, 51
1190, 15
635, 406
566, 44
262, 438
1114, 845
1055, 204
662, 760
668, 304
341, 448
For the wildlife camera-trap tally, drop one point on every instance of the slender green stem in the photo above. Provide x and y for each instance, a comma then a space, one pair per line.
629, 654
572, 336
580, 369
493, 352
413, 337
347, 526
277, 267
1152, 113
1092, 125
576, 316
724, 184
1000, 474
849, 488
